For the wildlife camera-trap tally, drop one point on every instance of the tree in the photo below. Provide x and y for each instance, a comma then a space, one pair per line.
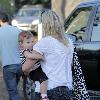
40, 1
45, 3
20, 3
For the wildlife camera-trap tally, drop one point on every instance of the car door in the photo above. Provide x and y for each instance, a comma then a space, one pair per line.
78, 25
91, 56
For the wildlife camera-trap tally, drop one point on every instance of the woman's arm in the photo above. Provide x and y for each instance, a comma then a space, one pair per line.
33, 55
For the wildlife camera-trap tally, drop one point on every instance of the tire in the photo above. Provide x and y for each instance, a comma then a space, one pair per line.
28, 88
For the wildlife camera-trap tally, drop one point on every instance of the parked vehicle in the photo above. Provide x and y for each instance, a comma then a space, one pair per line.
83, 25
27, 18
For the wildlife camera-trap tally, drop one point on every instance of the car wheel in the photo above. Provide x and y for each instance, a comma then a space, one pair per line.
28, 88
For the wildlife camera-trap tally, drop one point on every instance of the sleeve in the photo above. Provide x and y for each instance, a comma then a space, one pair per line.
41, 46
71, 46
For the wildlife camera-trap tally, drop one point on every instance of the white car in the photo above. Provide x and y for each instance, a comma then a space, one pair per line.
27, 18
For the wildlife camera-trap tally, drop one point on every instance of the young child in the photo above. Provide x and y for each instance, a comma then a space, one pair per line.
26, 42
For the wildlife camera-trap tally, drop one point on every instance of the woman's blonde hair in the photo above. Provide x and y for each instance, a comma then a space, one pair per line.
52, 25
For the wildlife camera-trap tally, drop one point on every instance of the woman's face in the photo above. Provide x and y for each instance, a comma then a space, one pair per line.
28, 43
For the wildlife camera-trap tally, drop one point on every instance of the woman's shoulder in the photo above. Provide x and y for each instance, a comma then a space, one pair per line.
45, 41
47, 38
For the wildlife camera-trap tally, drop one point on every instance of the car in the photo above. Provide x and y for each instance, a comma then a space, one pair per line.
27, 18
83, 27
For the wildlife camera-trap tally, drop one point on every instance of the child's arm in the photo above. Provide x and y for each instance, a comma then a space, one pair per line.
26, 67
33, 55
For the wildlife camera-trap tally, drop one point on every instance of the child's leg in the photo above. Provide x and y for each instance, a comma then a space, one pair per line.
39, 75
43, 90
43, 87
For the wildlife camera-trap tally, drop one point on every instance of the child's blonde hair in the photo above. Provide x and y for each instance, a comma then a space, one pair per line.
53, 25
23, 35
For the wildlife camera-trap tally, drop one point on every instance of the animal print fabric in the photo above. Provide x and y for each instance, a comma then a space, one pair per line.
79, 86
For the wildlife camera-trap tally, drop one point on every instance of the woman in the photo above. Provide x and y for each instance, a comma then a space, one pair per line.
58, 54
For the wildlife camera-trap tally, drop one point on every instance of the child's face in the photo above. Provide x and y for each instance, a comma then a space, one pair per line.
28, 43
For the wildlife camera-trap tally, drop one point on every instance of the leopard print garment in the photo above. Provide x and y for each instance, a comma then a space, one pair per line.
79, 86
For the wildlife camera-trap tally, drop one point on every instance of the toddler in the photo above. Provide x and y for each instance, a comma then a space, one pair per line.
26, 42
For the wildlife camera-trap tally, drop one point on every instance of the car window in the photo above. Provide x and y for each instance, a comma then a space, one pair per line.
96, 27
28, 12
77, 23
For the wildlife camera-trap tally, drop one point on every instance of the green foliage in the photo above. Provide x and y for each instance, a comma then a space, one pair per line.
45, 1
41, 1
35, 1
6, 6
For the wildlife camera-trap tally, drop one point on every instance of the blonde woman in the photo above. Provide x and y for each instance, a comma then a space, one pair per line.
58, 53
